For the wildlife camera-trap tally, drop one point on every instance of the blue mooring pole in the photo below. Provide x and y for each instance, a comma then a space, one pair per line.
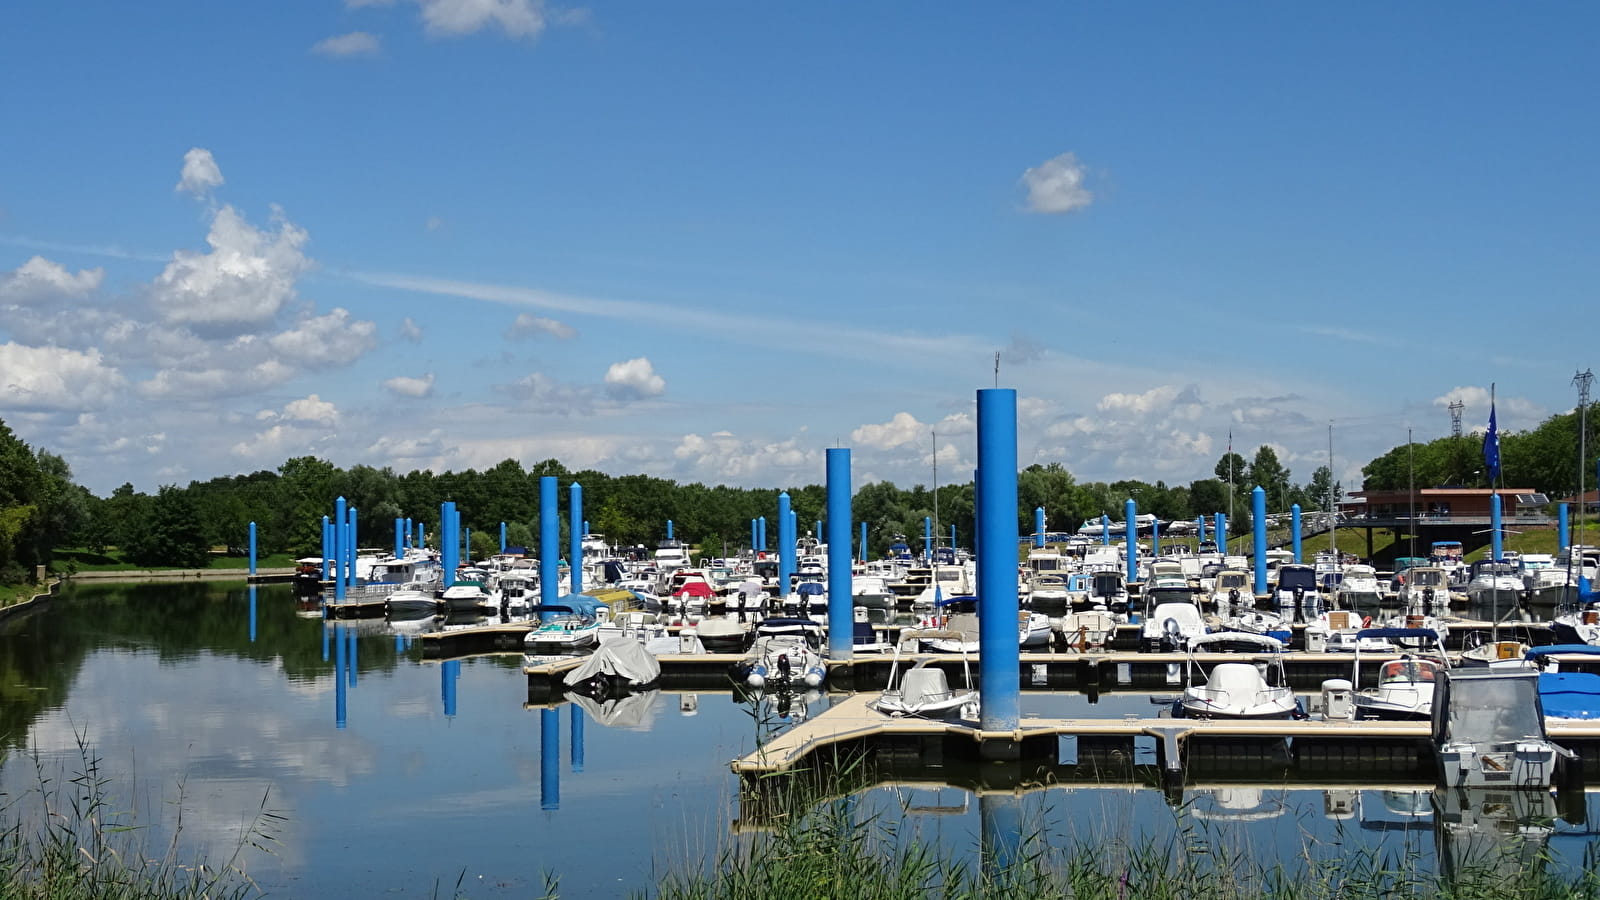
669, 529
350, 551
998, 653
761, 533
1294, 525
1564, 536
449, 547
752, 535
338, 548
252, 548
1155, 537
927, 539
819, 531
549, 759
1222, 533
840, 613
549, 542
1496, 534
575, 535
1200, 523
1038, 526
502, 537
863, 542
466, 545
1105, 529
1258, 516
1130, 512
399, 538
785, 546
410, 532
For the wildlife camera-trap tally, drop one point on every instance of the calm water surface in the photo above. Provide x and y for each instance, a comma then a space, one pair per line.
416, 773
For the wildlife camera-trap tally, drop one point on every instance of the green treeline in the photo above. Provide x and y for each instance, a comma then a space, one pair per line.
42, 509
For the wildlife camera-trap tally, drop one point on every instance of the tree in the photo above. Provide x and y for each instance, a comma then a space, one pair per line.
1320, 486
171, 533
1231, 468
1266, 472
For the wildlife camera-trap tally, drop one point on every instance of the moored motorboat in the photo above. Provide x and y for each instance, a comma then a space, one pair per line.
569, 625
1257, 689
924, 690
1405, 685
785, 655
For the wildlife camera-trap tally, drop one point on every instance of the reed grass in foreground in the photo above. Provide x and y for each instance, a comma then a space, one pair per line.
828, 850
63, 839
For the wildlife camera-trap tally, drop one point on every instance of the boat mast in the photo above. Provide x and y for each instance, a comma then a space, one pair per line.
1333, 542
1582, 380
1411, 492
931, 554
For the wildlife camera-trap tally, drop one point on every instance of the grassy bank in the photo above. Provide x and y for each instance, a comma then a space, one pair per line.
78, 559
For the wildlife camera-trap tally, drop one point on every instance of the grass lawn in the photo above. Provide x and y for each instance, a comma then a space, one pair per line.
111, 561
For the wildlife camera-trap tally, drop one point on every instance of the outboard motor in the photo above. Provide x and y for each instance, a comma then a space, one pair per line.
785, 671
1233, 598
1174, 634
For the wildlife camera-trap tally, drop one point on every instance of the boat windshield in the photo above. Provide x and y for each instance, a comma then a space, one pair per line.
1407, 670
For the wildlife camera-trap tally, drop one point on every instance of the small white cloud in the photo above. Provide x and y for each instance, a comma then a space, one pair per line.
404, 386
434, 223
356, 43
200, 174
55, 378
1056, 185
902, 429
410, 330
328, 340
453, 18
311, 409
40, 279
527, 325
244, 280
634, 379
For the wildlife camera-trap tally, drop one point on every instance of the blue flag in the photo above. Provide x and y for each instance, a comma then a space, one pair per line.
1491, 447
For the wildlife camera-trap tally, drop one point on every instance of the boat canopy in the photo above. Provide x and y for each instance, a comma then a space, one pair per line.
964, 601
1263, 641
1551, 649
811, 589
1570, 695
694, 589
1402, 633
1297, 576
573, 603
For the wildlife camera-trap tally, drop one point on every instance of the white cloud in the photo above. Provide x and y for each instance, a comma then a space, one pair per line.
1511, 411
244, 281
452, 18
40, 279
634, 379
356, 43
327, 340
1056, 185
200, 175
724, 456
528, 325
410, 330
405, 386
434, 223
311, 409
54, 378
901, 429
538, 392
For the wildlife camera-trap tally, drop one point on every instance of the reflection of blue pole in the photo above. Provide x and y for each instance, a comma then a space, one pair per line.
399, 644
350, 635
1105, 529
341, 691
338, 548
252, 614
1130, 511
785, 546
1001, 836
252, 548
1038, 526
549, 541
927, 538
863, 542
575, 534
448, 672
327, 546
1294, 525
326, 627
1564, 538
840, 614
577, 738
998, 654
1494, 527
1258, 515
549, 759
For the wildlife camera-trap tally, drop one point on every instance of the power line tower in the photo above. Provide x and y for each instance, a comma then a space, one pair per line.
1455, 418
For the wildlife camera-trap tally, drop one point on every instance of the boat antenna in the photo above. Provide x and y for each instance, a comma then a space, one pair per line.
997, 368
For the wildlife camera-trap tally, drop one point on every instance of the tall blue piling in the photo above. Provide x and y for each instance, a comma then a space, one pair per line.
350, 635
1497, 536
252, 548
410, 531
575, 535
338, 548
1564, 535
252, 614
502, 537
586, 527
752, 535
863, 542
1038, 526
1155, 537
1200, 524
549, 541
1130, 512
577, 731
927, 538
785, 546
1105, 529
998, 653
341, 691
466, 545
327, 547
549, 759
1222, 533
350, 544
819, 532
952, 537
761, 534
669, 529
1258, 516
1294, 526
399, 537
448, 546
421, 540
840, 615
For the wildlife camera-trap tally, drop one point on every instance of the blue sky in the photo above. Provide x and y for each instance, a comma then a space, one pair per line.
709, 240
